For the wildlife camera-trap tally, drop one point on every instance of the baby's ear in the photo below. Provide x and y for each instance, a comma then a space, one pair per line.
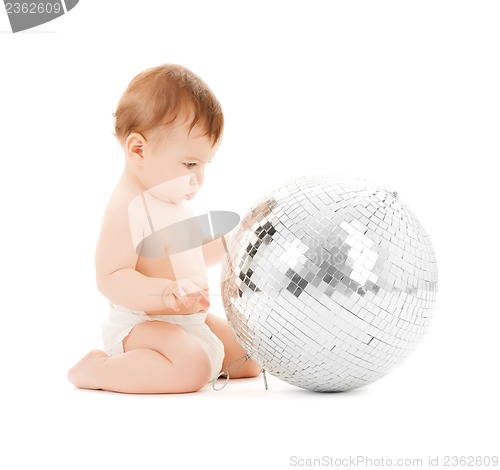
134, 148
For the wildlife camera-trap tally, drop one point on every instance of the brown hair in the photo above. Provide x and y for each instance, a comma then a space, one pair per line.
159, 95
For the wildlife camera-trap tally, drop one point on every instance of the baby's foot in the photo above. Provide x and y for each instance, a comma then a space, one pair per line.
85, 373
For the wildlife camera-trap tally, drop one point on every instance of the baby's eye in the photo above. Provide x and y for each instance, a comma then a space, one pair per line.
189, 165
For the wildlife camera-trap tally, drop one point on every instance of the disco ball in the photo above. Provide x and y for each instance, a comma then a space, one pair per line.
329, 282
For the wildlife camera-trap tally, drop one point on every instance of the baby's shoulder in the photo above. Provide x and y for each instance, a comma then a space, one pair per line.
119, 213
119, 202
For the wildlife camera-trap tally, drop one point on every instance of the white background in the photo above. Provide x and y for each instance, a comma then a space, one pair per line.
405, 94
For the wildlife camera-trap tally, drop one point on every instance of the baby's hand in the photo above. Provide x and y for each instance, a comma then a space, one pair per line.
184, 293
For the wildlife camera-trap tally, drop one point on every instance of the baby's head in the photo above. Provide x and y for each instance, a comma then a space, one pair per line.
169, 124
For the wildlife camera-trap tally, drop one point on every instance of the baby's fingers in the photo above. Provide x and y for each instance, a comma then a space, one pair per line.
186, 297
190, 287
201, 283
171, 302
204, 301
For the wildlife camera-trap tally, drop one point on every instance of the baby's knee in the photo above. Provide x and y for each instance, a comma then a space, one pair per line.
253, 369
248, 370
195, 368
202, 371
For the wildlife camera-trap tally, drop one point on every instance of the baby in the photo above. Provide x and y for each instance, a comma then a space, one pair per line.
159, 337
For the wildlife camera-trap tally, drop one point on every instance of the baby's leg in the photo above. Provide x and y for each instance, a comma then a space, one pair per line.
159, 357
233, 350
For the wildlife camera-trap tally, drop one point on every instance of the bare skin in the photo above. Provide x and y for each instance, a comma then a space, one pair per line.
159, 357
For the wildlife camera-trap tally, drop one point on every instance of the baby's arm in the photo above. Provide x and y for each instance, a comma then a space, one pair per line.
214, 252
119, 281
116, 258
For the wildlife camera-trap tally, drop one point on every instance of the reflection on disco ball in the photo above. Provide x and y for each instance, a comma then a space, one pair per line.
329, 282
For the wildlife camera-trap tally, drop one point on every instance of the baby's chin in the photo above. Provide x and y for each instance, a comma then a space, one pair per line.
172, 193
170, 198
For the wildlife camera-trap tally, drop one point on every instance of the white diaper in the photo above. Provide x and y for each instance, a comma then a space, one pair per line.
122, 320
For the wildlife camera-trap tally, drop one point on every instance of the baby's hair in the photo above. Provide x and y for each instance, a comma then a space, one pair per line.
158, 96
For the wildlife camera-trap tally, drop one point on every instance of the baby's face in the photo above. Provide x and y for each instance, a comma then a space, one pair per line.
174, 163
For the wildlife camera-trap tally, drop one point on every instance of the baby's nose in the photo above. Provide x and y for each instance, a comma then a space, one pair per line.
194, 185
